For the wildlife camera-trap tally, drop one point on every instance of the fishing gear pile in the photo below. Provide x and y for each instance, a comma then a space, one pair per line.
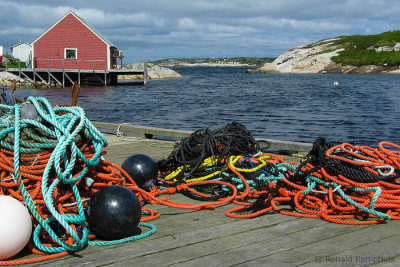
345, 184
51, 160
218, 167
342, 184
205, 146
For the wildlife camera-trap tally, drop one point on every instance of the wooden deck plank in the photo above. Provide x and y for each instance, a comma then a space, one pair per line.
384, 250
283, 243
119, 150
114, 254
223, 243
147, 131
210, 238
392, 262
347, 248
141, 131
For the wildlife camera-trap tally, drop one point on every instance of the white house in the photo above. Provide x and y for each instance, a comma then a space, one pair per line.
21, 51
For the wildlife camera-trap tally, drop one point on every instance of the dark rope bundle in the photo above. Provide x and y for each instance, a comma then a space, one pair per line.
232, 139
317, 157
206, 192
316, 160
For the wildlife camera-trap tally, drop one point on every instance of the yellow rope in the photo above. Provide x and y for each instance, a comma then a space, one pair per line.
207, 176
208, 162
262, 159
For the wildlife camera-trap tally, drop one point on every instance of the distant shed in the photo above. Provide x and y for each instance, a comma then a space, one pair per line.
72, 44
21, 51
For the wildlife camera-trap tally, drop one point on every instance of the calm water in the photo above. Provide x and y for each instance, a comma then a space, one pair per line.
362, 109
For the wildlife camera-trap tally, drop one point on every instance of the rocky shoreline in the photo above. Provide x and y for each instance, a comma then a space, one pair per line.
317, 58
235, 64
334, 68
153, 72
7, 78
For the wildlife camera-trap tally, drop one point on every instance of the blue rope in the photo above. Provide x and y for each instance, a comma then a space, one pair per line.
127, 239
64, 130
314, 181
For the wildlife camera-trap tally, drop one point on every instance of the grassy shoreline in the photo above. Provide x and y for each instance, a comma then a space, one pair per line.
360, 49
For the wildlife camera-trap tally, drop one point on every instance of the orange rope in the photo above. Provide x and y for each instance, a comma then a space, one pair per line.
32, 168
320, 202
324, 203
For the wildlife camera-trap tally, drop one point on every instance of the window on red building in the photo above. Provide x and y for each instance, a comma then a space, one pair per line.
71, 53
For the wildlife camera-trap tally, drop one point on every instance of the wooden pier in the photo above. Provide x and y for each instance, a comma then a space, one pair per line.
66, 77
209, 238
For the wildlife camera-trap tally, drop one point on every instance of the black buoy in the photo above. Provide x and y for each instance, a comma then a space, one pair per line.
142, 169
114, 212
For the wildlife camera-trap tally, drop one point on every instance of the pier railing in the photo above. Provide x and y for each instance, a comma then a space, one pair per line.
64, 68
73, 64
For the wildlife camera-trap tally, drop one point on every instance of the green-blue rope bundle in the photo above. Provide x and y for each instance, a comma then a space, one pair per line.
49, 159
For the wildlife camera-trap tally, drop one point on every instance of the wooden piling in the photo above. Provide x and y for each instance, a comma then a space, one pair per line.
13, 86
75, 93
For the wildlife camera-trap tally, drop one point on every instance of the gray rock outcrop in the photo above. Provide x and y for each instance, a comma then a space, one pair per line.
312, 58
6, 78
316, 58
153, 72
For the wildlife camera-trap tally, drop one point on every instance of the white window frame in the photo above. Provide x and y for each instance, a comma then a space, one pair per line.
65, 53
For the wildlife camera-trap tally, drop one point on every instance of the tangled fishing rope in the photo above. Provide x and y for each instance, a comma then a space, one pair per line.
51, 160
342, 184
217, 145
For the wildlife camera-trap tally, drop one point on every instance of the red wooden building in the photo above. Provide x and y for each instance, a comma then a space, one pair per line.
72, 44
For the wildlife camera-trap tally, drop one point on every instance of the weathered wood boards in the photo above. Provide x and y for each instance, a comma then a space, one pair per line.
149, 132
209, 238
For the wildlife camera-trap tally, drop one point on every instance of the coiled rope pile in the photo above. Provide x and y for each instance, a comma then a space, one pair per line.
54, 164
51, 160
342, 184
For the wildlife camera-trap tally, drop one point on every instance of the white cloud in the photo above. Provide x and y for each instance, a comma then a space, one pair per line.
187, 24
102, 19
177, 28
20, 31
218, 28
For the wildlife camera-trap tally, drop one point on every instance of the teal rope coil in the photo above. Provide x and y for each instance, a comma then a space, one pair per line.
314, 181
127, 239
57, 133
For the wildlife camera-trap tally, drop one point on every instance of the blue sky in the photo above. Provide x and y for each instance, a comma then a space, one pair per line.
203, 28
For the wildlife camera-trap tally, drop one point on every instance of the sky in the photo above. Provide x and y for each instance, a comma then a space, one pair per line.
152, 30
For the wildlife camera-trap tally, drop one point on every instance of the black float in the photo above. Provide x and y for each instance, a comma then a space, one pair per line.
114, 213
142, 169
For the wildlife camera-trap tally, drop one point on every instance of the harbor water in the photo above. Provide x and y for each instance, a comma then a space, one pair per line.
359, 109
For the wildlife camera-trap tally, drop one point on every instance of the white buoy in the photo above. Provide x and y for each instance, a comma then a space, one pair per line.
335, 83
15, 226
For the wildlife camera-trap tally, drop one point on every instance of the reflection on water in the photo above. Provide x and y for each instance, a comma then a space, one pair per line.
362, 109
